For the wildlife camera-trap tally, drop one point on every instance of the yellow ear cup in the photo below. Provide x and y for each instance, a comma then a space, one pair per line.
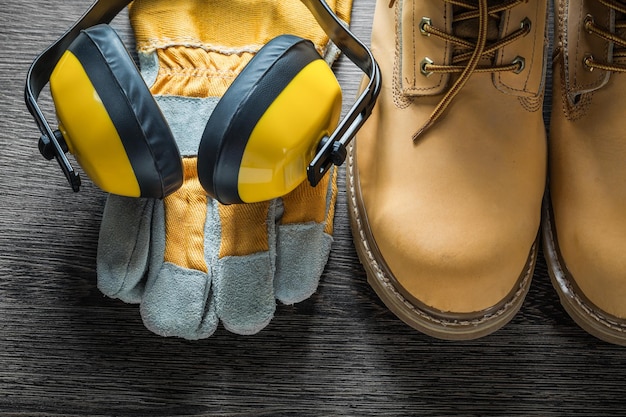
88, 130
266, 128
110, 121
286, 137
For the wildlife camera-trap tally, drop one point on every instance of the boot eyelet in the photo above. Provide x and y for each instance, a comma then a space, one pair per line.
426, 61
426, 21
525, 24
588, 62
521, 64
588, 22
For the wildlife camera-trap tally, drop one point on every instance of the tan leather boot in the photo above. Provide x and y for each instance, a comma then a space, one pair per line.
445, 181
585, 224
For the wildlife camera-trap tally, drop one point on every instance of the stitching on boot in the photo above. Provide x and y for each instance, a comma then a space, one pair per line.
577, 66
578, 36
531, 64
605, 321
575, 112
499, 75
399, 100
414, 26
532, 104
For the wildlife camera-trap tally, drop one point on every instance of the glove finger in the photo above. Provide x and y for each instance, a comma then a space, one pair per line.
304, 238
244, 266
178, 300
123, 246
192, 58
304, 234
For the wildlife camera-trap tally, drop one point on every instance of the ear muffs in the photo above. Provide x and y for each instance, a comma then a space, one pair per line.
266, 128
276, 125
110, 121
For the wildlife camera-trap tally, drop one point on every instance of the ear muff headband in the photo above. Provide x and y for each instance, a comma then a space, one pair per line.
123, 141
241, 161
330, 151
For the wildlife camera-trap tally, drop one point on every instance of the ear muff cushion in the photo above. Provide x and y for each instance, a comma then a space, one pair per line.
226, 133
142, 129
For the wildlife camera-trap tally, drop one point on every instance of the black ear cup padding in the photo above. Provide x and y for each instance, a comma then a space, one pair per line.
238, 111
146, 137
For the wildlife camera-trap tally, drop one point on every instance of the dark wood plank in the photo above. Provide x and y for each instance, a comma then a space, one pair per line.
67, 350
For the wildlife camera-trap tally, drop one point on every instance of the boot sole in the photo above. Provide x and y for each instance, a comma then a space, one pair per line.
427, 320
588, 316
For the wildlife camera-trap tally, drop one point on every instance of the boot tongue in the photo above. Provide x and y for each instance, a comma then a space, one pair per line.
468, 28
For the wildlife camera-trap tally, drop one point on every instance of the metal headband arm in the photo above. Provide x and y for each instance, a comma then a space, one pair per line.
333, 150
101, 11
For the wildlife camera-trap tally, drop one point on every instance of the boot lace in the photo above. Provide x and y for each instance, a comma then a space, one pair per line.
481, 20
618, 37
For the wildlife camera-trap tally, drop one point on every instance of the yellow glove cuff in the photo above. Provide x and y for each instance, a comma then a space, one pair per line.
201, 48
225, 26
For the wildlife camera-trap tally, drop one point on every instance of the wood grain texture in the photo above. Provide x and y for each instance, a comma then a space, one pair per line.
67, 350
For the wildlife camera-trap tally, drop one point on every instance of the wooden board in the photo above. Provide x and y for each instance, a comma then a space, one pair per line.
65, 349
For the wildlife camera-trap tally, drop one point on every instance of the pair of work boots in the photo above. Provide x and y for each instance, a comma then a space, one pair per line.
453, 183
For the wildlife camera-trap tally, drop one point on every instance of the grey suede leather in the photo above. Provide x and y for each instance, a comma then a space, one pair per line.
239, 291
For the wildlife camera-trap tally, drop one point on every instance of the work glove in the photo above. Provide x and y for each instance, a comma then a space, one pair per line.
189, 261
